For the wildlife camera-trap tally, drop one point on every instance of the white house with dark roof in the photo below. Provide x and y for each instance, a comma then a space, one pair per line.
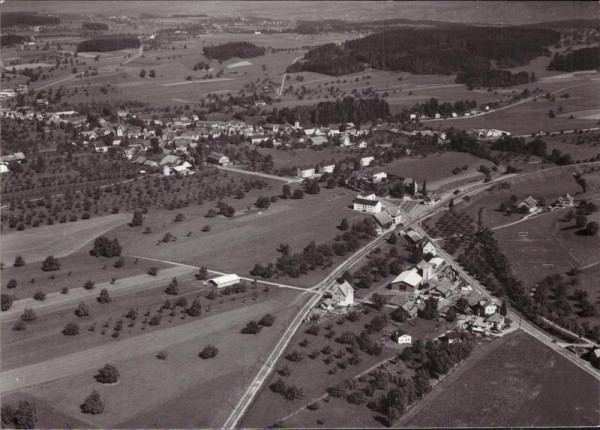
429, 248
367, 204
383, 221
402, 338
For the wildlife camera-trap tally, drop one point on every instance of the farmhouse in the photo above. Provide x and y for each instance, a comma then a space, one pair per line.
444, 288
219, 159
402, 338
224, 281
496, 321
367, 204
409, 280
366, 161
565, 201
306, 172
3, 168
343, 294
486, 307
328, 168
395, 214
429, 248
529, 204
383, 221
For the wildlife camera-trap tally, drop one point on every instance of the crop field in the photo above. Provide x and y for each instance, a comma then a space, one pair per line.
183, 377
255, 233
571, 144
437, 168
59, 240
521, 383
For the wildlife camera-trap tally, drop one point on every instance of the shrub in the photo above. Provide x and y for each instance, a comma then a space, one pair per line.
119, 263
155, 320
104, 297
92, 404
208, 352
267, 320
50, 264
71, 329
65, 290
19, 261
39, 296
89, 284
196, 309
82, 310
314, 406
251, 328
162, 355
11, 284
153, 271
19, 326
314, 330
108, 374
28, 315
173, 288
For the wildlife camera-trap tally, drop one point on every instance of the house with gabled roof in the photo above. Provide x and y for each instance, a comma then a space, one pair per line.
343, 294
367, 204
529, 204
408, 281
217, 158
383, 220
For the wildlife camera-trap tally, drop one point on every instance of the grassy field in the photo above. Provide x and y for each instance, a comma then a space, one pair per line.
235, 245
58, 240
136, 402
522, 383
306, 156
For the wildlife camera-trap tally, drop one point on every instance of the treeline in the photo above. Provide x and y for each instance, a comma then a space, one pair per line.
12, 19
328, 59
580, 59
347, 109
494, 78
11, 39
518, 145
233, 49
108, 44
314, 256
445, 50
445, 109
94, 26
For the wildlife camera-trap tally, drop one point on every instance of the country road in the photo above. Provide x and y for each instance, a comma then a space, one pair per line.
285, 74
260, 174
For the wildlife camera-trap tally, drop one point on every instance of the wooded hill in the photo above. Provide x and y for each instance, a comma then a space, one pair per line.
233, 49
108, 44
94, 26
444, 50
13, 19
494, 78
580, 59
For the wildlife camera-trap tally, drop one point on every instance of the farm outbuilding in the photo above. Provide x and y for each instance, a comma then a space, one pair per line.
224, 281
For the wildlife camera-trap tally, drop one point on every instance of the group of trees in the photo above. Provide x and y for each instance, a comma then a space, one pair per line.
115, 43
329, 59
580, 59
104, 247
494, 78
229, 50
15, 19
94, 26
445, 109
24, 416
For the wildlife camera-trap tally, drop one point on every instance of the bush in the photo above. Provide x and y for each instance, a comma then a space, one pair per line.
267, 320
19, 326
71, 329
19, 261
104, 297
50, 264
108, 374
39, 296
92, 404
22, 417
153, 271
7, 301
89, 285
208, 352
11, 284
105, 247
162, 355
82, 310
119, 263
28, 315
251, 328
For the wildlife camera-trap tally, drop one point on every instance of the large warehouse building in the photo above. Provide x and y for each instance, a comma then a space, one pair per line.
224, 281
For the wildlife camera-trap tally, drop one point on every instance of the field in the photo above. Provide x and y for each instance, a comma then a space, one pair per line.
183, 375
58, 240
235, 245
521, 383
306, 156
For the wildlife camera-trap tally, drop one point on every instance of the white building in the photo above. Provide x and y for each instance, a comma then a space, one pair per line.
224, 281
305, 173
343, 294
366, 161
402, 338
428, 248
378, 177
367, 204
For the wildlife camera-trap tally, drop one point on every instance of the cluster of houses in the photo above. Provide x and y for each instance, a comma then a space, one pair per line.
531, 205
310, 172
472, 112
486, 318
488, 134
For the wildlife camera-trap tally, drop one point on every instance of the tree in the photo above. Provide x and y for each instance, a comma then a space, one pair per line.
39, 296
431, 309
71, 329
82, 310
592, 228
105, 247
208, 352
153, 271
378, 301
400, 314
504, 308
587, 308
11, 284
19, 261
298, 194
251, 328
152, 73
143, 73
137, 220
89, 284
267, 320
28, 315
22, 417
286, 192
108, 374
173, 288
92, 404
119, 263
7, 301
196, 309
344, 224
462, 305
424, 189
50, 264
580, 221
263, 202
451, 314
104, 297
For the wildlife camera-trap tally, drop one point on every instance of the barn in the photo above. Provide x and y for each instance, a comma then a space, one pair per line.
224, 281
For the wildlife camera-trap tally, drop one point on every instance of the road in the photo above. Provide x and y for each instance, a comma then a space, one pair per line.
265, 370
260, 174
285, 74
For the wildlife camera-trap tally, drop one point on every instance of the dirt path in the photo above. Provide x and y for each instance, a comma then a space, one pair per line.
71, 364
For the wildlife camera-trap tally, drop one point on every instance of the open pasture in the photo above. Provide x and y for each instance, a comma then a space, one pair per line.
306, 156
183, 374
521, 383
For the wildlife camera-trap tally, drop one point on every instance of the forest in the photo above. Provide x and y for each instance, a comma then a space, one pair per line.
444, 50
108, 44
328, 59
94, 26
493, 78
233, 49
13, 19
580, 59
348, 109
11, 39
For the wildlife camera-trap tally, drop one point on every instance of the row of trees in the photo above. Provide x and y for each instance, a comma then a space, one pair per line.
494, 78
115, 43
